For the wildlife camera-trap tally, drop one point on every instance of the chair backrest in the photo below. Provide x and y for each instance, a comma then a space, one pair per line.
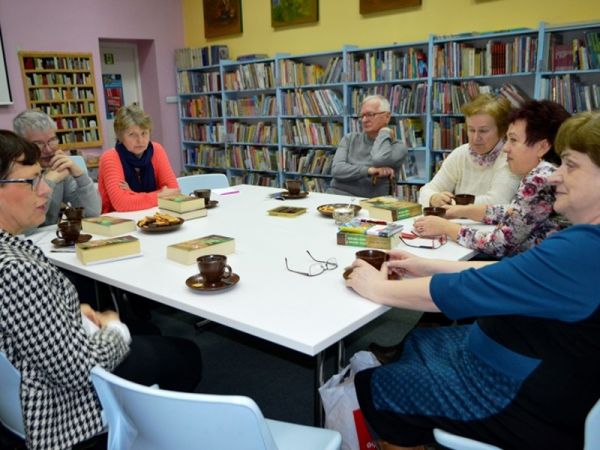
140, 417
78, 159
592, 428
10, 401
455, 442
189, 183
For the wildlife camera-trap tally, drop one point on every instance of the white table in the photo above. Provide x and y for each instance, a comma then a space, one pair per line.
306, 314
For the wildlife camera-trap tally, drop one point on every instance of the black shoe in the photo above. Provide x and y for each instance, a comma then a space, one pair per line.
385, 354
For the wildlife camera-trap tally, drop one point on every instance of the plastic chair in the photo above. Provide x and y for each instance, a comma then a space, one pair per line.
10, 400
592, 428
140, 417
455, 442
189, 183
78, 159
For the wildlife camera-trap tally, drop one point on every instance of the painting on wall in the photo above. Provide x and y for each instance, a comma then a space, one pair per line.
222, 17
372, 6
293, 12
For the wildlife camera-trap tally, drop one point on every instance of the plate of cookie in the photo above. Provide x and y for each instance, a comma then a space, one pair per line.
159, 223
327, 210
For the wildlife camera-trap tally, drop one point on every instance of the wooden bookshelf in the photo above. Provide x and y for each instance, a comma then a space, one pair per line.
63, 86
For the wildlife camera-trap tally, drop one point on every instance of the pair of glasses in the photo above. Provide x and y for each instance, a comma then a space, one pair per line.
317, 268
51, 143
33, 182
436, 242
370, 115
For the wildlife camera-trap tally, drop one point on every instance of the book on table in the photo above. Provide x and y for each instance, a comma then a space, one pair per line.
390, 208
181, 203
111, 249
107, 225
188, 251
287, 211
368, 240
188, 215
368, 233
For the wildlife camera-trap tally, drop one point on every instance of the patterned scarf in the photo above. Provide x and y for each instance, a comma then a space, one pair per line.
139, 172
489, 158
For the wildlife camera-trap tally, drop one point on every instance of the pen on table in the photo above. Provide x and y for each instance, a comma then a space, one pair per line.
229, 192
376, 222
62, 250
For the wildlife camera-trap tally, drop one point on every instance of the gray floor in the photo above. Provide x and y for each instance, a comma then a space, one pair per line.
281, 381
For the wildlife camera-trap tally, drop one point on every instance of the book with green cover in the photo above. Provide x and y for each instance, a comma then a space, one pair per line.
390, 209
180, 203
366, 240
114, 248
188, 251
107, 225
359, 225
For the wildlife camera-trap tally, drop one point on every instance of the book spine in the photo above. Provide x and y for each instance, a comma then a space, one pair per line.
363, 240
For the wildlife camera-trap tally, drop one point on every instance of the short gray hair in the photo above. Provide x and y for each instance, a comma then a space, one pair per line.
32, 120
384, 104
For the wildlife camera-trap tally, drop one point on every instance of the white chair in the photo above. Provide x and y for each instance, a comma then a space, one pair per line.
80, 161
10, 401
142, 417
189, 183
592, 428
455, 442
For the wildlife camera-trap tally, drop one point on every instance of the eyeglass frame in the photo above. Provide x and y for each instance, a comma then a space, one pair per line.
442, 239
33, 182
52, 143
371, 115
323, 264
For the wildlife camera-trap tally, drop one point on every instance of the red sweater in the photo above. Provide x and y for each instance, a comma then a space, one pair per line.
111, 174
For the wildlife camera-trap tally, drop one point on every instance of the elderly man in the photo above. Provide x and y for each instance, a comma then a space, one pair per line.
364, 162
69, 183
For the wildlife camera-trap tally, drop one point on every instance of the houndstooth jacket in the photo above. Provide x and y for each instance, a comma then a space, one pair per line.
42, 335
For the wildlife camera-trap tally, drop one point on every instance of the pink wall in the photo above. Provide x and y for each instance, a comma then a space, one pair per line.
77, 25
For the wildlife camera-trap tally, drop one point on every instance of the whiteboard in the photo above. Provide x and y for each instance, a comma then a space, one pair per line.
5, 97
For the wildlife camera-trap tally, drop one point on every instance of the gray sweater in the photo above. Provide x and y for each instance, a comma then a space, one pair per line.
353, 157
78, 192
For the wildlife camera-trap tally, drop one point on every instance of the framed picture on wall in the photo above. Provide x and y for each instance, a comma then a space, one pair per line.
222, 17
5, 96
293, 12
371, 6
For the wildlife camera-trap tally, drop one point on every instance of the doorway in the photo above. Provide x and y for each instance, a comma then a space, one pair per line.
120, 79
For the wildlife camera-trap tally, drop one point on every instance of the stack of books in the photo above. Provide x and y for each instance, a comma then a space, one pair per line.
361, 232
390, 209
107, 225
186, 207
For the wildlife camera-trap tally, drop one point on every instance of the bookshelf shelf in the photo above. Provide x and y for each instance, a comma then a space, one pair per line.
315, 97
63, 86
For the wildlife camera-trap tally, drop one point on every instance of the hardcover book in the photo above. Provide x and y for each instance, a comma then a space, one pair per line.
367, 240
107, 225
103, 250
371, 227
188, 251
188, 215
390, 209
180, 203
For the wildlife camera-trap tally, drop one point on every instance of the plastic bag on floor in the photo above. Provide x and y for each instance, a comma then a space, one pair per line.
342, 412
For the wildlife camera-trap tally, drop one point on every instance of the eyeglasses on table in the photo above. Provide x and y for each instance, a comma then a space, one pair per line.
316, 268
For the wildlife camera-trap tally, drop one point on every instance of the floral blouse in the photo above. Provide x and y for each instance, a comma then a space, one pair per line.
525, 222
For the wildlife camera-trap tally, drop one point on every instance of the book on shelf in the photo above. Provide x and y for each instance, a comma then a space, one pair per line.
107, 225
390, 209
371, 227
111, 249
188, 215
188, 251
180, 203
252, 56
367, 240
218, 53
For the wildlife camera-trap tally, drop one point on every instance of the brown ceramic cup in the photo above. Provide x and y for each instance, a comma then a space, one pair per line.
213, 268
203, 193
434, 211
74, 213
374, 257
464, 199
293, 186
69, 231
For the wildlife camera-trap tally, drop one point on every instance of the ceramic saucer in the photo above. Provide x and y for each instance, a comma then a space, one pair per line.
59, 242
288, 196
212, 204
391, 276
196, 282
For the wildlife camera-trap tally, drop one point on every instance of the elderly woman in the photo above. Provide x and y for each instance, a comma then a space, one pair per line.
478, 167
49, 337
137, 171
526, 374
529, 217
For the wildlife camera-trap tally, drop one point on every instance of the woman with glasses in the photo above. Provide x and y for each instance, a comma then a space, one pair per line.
68, 182
525, 374
50, 338
478, 167
134, 173
529, 217
366, 163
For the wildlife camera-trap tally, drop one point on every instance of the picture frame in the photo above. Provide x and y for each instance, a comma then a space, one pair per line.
287, 12
5, 93
222, 17
373, 6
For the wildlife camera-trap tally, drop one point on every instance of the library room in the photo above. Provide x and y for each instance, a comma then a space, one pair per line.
299, 224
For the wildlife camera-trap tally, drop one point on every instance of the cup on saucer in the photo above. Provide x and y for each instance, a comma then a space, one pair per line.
374, 257
293, 186
69, 231
203, 193
213, 268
